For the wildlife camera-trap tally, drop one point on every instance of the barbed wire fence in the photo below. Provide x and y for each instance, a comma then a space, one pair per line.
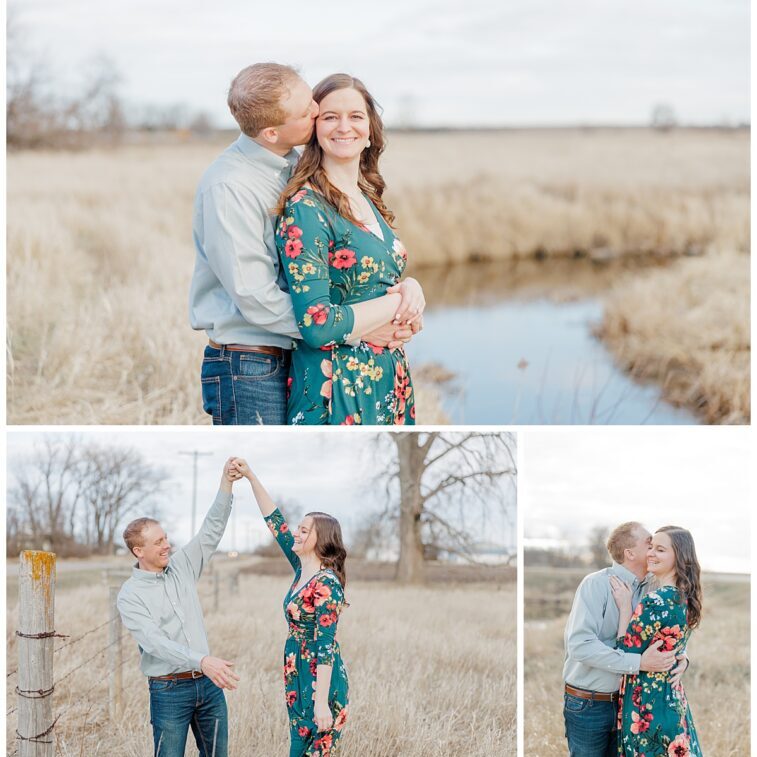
36, 684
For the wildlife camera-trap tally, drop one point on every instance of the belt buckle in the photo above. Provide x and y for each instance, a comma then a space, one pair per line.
196, 674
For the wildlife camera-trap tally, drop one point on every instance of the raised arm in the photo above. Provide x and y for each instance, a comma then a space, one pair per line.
204, 544
272, 515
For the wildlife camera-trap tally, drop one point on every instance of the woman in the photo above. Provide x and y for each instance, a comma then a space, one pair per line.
314, 675
653, 716
343, 263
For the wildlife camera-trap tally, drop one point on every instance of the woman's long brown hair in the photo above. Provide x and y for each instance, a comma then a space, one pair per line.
687, 570
329, 545
309, 169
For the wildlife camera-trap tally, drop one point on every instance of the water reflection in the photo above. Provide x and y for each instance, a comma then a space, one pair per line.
512, 343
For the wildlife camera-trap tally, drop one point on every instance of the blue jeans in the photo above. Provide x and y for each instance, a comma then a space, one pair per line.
590, 727
177, 705
244, 388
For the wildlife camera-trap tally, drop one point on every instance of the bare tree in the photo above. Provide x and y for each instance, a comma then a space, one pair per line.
116, 481
71, 496
448, 486
47, 493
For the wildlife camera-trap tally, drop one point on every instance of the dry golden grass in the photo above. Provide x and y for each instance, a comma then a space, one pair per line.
100, 252
717, 683
687, 327
432, 671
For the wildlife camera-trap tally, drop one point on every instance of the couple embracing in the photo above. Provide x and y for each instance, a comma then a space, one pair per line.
160, 606
625, 648
298, 270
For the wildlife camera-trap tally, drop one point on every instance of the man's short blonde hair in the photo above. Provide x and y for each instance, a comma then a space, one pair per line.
133, 533
255, 96
622, 538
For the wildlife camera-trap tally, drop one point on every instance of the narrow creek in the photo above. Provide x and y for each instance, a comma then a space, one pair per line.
512, 343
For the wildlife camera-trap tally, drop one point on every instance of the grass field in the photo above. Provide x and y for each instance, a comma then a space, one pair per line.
100, 255
432, 670
717, 683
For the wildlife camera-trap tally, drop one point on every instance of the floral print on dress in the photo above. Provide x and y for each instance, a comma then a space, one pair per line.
312, 613
654, 719
330, 264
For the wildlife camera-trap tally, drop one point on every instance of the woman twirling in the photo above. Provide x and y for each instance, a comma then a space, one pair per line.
343, 264
314, 675
654, 718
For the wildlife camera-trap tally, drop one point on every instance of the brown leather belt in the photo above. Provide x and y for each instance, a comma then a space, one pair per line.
178, 676
597, 696
262, 349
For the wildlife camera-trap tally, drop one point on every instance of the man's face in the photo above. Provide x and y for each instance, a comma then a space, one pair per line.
301, 112
155, 550
641, 547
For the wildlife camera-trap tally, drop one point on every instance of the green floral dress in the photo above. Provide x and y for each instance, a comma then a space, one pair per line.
330, 263
654, 719
311, 613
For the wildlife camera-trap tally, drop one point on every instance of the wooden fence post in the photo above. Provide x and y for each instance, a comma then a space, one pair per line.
115, 656
36, 621
234, 582
216, 586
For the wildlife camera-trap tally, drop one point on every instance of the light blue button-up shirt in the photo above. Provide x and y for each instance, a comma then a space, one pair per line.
238, 293
591, 660
162, 610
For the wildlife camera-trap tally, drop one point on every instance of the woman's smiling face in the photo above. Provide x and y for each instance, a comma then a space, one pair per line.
305, 537
343, 125
661, 558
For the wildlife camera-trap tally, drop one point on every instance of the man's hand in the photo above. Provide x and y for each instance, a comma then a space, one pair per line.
677, 672
653, 660
220, 672
230, 475
390, 335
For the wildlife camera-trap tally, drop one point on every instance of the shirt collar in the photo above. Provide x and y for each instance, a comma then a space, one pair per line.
255, 152
147, 575
624, 574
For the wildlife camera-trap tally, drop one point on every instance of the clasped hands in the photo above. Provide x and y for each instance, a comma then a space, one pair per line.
407, 321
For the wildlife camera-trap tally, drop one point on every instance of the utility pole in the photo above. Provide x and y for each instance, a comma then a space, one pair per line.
195, 454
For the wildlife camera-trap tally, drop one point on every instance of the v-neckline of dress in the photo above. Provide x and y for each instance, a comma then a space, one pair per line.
293, 594
379, 218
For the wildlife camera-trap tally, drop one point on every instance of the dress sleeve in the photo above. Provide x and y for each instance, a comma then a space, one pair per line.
280, 530
645, 622
329, 600
305, 240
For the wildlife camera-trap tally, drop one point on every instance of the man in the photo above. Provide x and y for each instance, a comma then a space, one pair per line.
160, 606
593, 667
238, 293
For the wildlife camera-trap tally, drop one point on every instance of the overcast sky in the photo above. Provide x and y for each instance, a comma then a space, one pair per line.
695, 477
444, 62
319, 470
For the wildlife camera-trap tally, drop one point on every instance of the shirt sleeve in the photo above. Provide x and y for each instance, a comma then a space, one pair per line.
305, 243
280, 530
151, 638
202, 547
234, 244
582, 633
329, 600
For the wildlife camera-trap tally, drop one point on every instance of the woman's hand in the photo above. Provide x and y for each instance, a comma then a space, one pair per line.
322, 717
242, 468
413, 302
621, 593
